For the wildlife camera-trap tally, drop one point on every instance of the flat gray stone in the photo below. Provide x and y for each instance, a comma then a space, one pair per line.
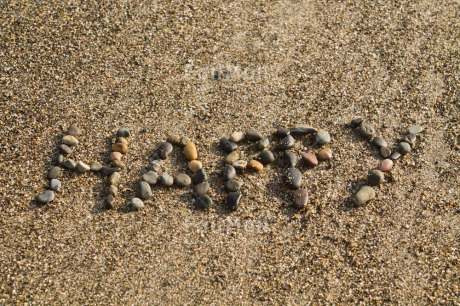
404, 148
55, 184
201, 188
365, 194
166, 180
379, 142
182, 180
45, 197
137, 203
96, 166
55, 172
144, 190
415, 129
150, 177
322, 137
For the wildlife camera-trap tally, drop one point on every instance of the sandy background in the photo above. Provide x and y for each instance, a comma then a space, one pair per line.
148, 65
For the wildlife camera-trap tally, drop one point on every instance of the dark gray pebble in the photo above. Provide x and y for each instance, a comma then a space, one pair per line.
109, 202
232, 185
229, 172
404, 148
200, 177
203, 201
385, 152
375, 177
227, 145
286, 143
266, 157
294, 178
164, 149
253, 135
123, 132
59, 159
201, 188
233, 200
69, 164
379, 142
356, 122
291, 158
282, 132
302, 129
107, 171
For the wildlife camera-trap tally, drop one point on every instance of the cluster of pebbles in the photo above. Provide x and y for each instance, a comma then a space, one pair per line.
376, 177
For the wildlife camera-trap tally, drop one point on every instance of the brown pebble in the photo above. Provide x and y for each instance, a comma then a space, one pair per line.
300, 197
195, 165
325, 154
173, 138
112, 190
387, 165
118, 164
120, 147
236, 137
256, 165
190, 151
122, 140
115, 156
69, 140
310, 159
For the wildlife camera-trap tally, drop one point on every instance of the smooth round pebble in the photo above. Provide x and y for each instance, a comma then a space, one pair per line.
201, 188
365, 194
69, 140
55, 172
291, 158
404, 148
203, 201
322, 137
266, 157
164, 149
137, 203
236, 137
82, 167
379, 142
256, 165
69, 164
195, 165
232, 157
65, 149
114, 179
375, 177
229, 173
227, 145
253, 135
415, 129
73, 130
59, 159
151, 177
395, 155
286, 143
200, 176
115, 156
182, 180
294, 178
55, 184
233, 200
263, 144
184, 140
173, 138
166, 180
240, 164
123, 132
385, 152
45, 197
300, 197
190, 151
386, 165
144, 190
366, 130
232, 185
310, 159
324, 154
96, 166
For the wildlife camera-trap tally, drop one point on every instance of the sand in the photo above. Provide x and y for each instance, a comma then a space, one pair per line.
204, 70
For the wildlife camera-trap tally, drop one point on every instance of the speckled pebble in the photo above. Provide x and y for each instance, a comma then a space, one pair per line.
112, 190
45, 197
232, 185
385, 152
322, 137
386, 165
157, 165
114, 179
404, 148
144, 190
240, 164
365, 194
164, 149
184, 140
233, 200
69, 140
300, 197
182, 180
375, 177
366, 130
82, 167
195, 165
232, 157
55, 184
190, 151
229, 172
118, 164
137, 203
291, 158
236, 137
173, 138
263, 144
256, 165
227, 145
54, 172
294, 178
286, 143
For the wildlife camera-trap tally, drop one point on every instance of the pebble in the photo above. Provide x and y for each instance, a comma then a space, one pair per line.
236, 137
195, 165
182, 180
356, 122
266, 157
109, 202
173, 138
379, 142
55, 184
137, 203
45, 197
69, 164
286, 143
282, 132
184, 140
123, 132
253, 135
157, 165
294, 178
201, 188
415, 129
164, 149
322, 137
65, 149
233, 200
310, 159
190, 151
302, 129
232, 157
375, 177
115, 156
122, 140
300, 197
200, 177
145, 190
263, 144
150, 177
166, 180
256, 165
118, 163
386, 165
96, 166
114, 179
120, 147
107, 171
365, 194
410, 138
240, 164
112, 190
232, 185
73, 130
59, 159
227, 145
366, 130
325, 154
55, 172
404, 148
203, 201
291, 158
69, 140
395, 156
82, 167
229, 173
385, 152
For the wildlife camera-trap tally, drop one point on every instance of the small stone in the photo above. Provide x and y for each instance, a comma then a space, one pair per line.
59, 159
294, 178
107, 171
291, 158
157, 165
366, 130
232, 157
115, 156
123, 132
227, 145
112, 190
282, 132
365, 194
73, 130
395, 156
118, 164
137, 203
253, 135
45, 197
415, 129
182, 180
266, 157
387, 165
184, 140
240, 164
164, 149
356, 122
404, 148
150, 177
69, 140
200, 177
122, 140
310, 159
229, 173
82, 167
190, 151
55, 184
96, 166
286, 143
256, 165
203, 201
410, 138
375, 177
233, 200
65, 149
263, 144
120, 147
322, 137
300, 197
236, 137
69, 164
379, 142
114, 179
109, 202
201, 188
232, 185
195, 165
173, 138
325, 154
302, 129
166, 180
385, 152
145, 190
55, 172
